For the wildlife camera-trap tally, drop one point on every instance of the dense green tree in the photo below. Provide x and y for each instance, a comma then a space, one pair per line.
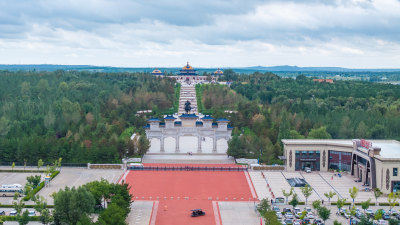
70, 205
114, 215
324, 213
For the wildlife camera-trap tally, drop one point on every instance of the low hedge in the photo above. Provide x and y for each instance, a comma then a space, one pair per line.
39, 187
25, 206
386, 204
22, 171
14, 218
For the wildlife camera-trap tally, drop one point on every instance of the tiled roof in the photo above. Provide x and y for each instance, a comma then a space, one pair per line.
207, 117
169, 117
188, 116
153, 119
222, 120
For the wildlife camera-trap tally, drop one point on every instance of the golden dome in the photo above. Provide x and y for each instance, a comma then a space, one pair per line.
219, 72
187, 67
157, 72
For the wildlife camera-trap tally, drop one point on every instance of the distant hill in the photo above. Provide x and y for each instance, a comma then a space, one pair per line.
317, 69
50, 67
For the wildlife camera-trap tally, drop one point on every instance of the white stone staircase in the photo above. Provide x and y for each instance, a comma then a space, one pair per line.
187, 93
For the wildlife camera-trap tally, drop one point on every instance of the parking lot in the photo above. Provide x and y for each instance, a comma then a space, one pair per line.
74, 177
287, 214
13, 178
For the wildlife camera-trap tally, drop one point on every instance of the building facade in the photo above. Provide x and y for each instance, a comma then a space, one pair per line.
375, 163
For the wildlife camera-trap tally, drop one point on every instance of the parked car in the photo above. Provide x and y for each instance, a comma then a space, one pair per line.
308, 209
307, 169
346, 215
354, 221
289, 215
296, 210
358, 215
276, 209
317, 220
286, 210
369, 211
288, 221
13, 213
310, 215
2, 213
279, 215
386, 216
32, 213
296, 223
306, 220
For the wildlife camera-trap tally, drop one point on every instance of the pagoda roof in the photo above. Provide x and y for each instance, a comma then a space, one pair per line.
207, 117
188, 116
222, 120
153, 120
157, 72
218, 72
169, 117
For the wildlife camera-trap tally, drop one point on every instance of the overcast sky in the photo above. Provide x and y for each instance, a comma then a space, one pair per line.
207, 33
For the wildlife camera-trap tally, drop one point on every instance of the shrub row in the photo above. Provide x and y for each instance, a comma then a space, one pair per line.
14, 218
39, 187
22, 171
25, 206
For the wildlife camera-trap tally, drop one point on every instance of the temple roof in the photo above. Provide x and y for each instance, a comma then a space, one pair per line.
157, 72
169, 117
219, 72
207, 117
222, 120
187, 67
153, 120
188, 116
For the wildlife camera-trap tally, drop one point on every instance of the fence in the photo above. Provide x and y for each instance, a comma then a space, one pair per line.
28, 164
105, 166
189, 168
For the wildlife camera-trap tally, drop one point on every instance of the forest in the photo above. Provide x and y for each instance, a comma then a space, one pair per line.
78, 116
269, 108
89, 116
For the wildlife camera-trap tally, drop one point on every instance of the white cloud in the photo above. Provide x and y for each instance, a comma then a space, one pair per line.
357, 33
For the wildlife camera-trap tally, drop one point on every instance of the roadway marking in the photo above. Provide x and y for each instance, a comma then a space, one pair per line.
250, 184
153, 216
123, 178
217, 216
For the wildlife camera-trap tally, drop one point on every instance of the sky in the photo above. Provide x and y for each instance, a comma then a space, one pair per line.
207, 33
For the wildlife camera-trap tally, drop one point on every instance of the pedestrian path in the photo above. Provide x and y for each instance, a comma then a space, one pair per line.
314, 196
260, 185
277, 182
319, 185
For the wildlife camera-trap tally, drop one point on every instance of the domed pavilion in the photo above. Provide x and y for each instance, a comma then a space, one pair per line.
188, 71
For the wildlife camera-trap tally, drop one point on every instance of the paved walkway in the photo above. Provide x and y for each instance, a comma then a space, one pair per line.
238, 213
260, 185
140, 213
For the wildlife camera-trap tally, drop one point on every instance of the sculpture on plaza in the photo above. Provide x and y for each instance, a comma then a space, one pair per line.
187, 107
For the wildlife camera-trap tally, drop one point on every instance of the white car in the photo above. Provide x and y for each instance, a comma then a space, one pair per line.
289, 215
310, 215
32, 213
279, 215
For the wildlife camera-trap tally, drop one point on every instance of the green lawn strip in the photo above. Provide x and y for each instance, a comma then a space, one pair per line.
39, 187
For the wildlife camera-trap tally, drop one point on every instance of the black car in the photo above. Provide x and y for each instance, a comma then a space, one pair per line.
197, 212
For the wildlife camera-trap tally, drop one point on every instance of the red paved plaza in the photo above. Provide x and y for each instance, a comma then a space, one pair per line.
197, 186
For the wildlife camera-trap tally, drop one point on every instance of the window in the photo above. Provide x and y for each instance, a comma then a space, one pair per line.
395, 172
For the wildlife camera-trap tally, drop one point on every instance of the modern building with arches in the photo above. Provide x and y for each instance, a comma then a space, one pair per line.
375, 163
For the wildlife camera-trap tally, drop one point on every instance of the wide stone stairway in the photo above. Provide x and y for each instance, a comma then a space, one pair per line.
188, 93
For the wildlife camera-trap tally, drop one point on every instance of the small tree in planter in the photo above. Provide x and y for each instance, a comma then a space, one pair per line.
377, 193
295, 201
330, 195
